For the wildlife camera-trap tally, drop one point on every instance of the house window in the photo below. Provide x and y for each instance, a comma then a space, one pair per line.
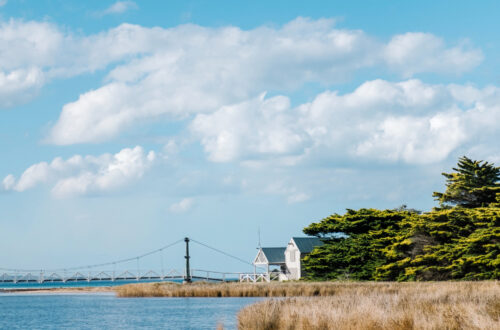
292, 256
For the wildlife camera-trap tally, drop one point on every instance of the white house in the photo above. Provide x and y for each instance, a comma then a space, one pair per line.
271, 256
287, 260
296, 250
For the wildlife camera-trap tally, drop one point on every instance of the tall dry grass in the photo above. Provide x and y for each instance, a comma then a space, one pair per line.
203, 289
430, 305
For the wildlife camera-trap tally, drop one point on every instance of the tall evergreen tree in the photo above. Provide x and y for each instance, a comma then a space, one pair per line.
473, 184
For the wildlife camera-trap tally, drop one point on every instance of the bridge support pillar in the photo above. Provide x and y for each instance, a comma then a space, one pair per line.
187, 278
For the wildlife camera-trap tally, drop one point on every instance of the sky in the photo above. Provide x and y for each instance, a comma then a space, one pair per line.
125, 126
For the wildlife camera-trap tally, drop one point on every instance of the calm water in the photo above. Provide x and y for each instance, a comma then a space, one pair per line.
78, 284
105, 311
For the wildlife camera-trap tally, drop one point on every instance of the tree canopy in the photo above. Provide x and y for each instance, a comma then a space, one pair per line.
460, 242
473, 184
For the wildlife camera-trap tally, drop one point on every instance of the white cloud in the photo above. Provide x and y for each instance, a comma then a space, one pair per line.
412, 52
120, 7
3, 3
34, 175
407, 121
191, 69
30, 44
298, 198
32, 53
26, 48
249, 129
80, 175
18, 86
9, 182
416, 140
182, 206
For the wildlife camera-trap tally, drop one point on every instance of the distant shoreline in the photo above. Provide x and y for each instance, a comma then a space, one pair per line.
58, 290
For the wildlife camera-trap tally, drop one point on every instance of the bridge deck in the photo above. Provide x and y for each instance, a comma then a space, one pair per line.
104, 277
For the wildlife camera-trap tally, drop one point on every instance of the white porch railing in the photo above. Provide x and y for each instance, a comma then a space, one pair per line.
259, 277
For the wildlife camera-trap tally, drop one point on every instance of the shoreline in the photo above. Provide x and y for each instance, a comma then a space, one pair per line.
95, 289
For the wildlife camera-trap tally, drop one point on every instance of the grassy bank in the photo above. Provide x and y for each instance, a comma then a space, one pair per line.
434, 305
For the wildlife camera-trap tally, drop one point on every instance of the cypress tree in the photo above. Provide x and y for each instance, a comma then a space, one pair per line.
473, 184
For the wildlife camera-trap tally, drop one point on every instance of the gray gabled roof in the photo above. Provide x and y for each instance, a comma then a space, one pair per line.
274, 255
307, 244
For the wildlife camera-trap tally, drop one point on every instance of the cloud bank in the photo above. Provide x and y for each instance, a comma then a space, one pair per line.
408, 121
190, 69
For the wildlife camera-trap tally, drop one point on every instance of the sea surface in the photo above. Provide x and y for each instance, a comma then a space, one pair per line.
77, 284
106, 311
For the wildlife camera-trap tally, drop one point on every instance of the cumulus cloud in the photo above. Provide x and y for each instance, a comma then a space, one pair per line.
191, 69
3, 3
25, 49
407, 121
415, 139
411, 53
9, 182
256, 127
119, 7
19, 86
83, 175
182, 206
32, 53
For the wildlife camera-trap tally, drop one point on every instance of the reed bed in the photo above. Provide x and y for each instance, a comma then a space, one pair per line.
203, 289
429, 305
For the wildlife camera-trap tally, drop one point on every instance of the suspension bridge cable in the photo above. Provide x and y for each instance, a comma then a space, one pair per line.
96, 265
128, 259
222, 252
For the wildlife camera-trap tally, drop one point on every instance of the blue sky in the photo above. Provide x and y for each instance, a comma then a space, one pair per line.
128, 125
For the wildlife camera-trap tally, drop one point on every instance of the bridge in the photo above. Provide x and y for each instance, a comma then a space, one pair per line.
108, 272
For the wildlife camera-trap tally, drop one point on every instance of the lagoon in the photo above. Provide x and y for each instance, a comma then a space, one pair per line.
106, 311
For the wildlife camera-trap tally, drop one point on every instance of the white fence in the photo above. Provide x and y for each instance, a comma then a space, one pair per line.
259, 277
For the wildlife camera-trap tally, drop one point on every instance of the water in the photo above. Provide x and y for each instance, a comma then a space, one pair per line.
106, 311
77, 284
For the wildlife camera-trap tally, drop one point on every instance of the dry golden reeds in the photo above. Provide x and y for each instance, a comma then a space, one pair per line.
434, 305
203, 289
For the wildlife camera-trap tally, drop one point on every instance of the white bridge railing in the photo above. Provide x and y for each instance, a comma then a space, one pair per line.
112, 276
61, 277
127, 275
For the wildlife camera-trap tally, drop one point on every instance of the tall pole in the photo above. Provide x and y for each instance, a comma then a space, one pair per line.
187, 279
